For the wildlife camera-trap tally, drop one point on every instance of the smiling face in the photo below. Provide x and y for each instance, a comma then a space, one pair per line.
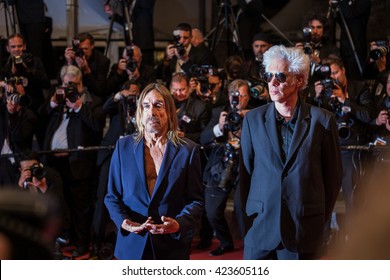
154, 117
282, 92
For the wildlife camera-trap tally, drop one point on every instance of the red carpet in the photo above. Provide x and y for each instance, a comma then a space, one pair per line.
237, 254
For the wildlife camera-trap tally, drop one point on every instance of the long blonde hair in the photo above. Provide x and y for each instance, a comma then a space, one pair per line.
170, 108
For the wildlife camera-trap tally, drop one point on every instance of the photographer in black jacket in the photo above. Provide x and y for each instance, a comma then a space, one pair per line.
220, 176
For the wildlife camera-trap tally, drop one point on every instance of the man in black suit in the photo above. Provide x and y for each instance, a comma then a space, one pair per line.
180, 56
352, 103
17, 125
76, 119
291, 165
93, 64
192, 113
220, 176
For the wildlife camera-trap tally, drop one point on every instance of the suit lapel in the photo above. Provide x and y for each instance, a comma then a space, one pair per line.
139, 158
272, 131
301, 129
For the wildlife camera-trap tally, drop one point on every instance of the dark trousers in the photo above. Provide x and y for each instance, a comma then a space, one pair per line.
78, 195
100, 217
279, 253
215, 204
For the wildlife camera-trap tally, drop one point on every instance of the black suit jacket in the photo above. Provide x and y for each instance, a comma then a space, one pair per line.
289, 201
84, 129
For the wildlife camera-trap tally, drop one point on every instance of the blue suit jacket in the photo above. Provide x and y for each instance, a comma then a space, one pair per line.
289, 201
177, 194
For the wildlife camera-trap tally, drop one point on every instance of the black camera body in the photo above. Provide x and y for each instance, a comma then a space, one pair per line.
380, 51
343, 120
78, 52
181, 50
233, 119
37, 171
230, 164
66, 92
201, 74
131, 63
324, 71
22, 62
307, 47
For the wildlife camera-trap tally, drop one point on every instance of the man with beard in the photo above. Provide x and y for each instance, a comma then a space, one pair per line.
154, 186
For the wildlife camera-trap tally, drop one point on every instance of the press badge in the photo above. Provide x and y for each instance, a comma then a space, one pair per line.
186, 119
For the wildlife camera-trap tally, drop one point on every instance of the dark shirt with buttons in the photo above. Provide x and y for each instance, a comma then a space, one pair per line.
286, 131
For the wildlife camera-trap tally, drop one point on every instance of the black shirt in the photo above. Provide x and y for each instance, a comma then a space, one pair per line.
286, 131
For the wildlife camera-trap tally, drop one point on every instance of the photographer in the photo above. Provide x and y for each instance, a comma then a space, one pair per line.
352, 103
207, 82
120, 108
16, 133
27, 75
193, 114
129, 67
93, 64
76, 119
377, 68
181, 54
37, 178
221, 172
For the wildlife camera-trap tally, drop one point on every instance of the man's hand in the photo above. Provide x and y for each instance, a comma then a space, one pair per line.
383, 118
134, 227
170, 51
69, 55
338, 92
169, 225
82, 63
222, 120
76, 105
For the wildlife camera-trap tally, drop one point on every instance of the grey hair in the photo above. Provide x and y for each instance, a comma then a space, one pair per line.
297, 61
70, 70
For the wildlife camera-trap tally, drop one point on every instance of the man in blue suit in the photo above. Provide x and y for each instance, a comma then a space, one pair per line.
291, 166
155, 188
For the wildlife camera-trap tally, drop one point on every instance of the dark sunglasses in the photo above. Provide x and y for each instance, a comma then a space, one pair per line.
279, 76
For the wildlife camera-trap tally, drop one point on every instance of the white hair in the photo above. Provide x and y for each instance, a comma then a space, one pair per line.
298, 63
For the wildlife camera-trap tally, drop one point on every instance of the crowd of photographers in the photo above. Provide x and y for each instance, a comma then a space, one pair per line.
210, 102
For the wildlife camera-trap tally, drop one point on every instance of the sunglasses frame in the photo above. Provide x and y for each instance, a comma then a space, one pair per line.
279, 76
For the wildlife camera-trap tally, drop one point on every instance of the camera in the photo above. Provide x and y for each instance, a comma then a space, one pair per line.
37, 171
66, 92
78, 52
259, 91
379, 52
307, 47
344, 122
201, 74
324, 72
22, 62
131, 63
20, 99
233, 119
181, 50
230, 171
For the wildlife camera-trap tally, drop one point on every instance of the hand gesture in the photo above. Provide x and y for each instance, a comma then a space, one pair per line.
169, 225
135, 227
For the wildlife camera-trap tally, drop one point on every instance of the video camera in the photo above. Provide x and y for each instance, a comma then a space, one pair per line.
201, 73
66, 92
233, 119
324, 71
381, 50
131, 63
181, 50
78, 52
37, 171
307, 47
